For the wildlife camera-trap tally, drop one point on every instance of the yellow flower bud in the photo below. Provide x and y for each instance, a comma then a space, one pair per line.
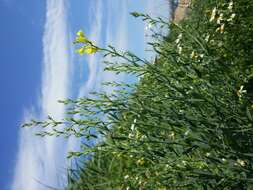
91, 50
80, 33
87, 49
81, 50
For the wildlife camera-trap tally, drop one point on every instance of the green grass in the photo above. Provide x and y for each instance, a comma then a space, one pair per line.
188, 123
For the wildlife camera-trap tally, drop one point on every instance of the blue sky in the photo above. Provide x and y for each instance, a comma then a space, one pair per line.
38, 67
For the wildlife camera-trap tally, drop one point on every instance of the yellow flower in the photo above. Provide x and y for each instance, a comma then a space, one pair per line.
81, 50
87, 49
91, 49
80, 33
81, 39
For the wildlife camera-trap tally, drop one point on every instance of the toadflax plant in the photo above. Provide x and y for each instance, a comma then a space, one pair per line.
187, 124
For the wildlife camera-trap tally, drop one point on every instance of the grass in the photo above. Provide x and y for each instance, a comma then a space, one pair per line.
187, 124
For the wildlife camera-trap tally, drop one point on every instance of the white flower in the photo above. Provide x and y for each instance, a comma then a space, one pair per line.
230, 5
208, 154
131, 135
231, 17
213, 14
143, 137
172, 135
192, 54
223, 160
99, 148
133, 127
241, 162
126, 177
241, 91
180, 49
201, 55
220, 19
179, 38
187, 132
222, 28
207, 38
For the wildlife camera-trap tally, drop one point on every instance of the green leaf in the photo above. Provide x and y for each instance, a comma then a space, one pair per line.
249, 114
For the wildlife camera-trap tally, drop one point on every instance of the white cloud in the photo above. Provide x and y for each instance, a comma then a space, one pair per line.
116, 35
95, 35
39, 161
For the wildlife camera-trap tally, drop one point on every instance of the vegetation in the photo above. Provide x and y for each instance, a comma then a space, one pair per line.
187, 124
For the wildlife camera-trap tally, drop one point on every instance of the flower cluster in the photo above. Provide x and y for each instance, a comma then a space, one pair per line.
178, 43
134, 133
86, 45
221, 17
240, 162
195, 56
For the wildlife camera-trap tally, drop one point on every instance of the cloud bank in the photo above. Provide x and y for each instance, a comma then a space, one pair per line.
40, 161
113, 33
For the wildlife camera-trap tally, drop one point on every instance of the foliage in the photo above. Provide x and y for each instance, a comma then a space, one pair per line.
188, 123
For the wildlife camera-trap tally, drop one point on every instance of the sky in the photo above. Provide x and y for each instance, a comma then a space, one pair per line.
38, 67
